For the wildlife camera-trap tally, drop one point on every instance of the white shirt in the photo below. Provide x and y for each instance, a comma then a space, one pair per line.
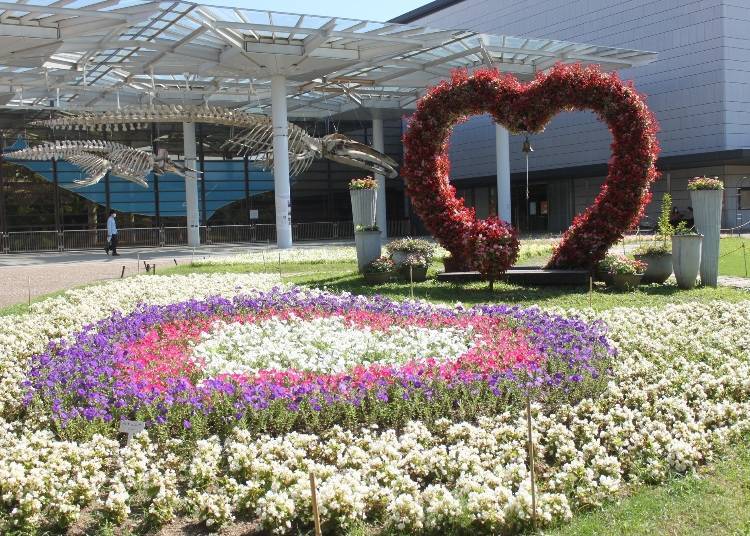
111, 227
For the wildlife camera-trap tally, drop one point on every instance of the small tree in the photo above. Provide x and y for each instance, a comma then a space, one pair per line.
664, 227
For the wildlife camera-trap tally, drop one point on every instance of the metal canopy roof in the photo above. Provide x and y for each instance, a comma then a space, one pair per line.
98, 54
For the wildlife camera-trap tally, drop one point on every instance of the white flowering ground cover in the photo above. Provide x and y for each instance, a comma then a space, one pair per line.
337, 254
327, 345
273, 256
679, 394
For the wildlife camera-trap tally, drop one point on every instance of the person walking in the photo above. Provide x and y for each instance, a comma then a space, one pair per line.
111, 235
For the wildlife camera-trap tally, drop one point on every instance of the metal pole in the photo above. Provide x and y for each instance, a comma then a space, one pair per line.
282, 188
246, 170
3, 217
155, 147
191, 186
528, 207
56, 195
329, 196
378, 143
107, 194
502, 161
202, 164
157, 211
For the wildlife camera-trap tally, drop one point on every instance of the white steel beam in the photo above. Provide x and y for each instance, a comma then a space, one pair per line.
31, 32
48, 10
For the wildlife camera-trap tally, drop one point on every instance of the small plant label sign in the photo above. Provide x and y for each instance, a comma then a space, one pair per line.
131, 428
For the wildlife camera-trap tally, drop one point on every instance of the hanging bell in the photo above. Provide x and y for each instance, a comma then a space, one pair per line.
527, 148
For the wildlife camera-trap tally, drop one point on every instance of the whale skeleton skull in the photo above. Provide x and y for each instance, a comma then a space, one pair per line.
254, 140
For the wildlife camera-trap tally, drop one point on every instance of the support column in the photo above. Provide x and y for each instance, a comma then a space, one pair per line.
56, 196
502, 158
246, 177
202, 169
107, 196
3, 217
282, 189
191, 186
155, 149
380, 212
157, 208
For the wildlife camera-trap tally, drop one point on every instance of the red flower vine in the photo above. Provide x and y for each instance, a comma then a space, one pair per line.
491, 245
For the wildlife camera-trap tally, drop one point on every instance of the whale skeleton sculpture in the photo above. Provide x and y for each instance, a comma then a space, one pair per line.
254, 141
96, 158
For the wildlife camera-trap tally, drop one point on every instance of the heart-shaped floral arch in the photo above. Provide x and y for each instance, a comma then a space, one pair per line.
491, 245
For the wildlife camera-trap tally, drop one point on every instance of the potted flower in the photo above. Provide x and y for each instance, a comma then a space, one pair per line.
658, 255
367, 243
402, 248
363, 193
706, 196
626, 272
602, 272
379, 270
686, 255
657, 258
414, 267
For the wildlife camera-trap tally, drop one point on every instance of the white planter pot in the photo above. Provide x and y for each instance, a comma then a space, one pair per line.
707, 214
364, 206
368, 247
658, 267
686, 259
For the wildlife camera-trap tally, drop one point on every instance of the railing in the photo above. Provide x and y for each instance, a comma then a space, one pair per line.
23, 242
30, 241
173, 236
87, 239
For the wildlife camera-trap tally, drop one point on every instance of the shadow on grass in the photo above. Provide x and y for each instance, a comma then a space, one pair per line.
478, 292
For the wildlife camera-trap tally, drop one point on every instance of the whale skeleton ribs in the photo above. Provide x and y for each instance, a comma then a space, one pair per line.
254, 140
96, 158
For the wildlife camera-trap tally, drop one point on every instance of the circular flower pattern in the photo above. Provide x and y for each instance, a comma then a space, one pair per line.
528, 108
290, 351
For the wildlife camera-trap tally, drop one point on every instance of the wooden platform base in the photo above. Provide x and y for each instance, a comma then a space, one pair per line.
533, 277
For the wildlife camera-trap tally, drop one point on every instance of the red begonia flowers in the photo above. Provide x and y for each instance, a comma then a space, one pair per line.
528, 108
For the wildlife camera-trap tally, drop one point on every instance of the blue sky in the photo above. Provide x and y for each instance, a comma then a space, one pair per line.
377, 10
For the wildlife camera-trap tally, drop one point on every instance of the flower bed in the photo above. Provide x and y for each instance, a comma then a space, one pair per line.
282, 360
677, 393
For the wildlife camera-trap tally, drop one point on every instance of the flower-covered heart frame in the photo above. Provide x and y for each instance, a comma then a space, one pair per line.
491, 245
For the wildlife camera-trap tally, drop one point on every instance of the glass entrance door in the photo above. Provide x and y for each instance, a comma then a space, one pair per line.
530, 216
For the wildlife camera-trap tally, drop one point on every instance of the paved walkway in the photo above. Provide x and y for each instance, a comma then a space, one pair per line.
735, 282
34, 274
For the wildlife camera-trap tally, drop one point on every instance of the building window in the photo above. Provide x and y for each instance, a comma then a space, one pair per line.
744, 198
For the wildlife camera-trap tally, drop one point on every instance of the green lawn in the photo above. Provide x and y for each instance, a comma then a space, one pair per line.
734, 257
715, 501
344, 277
20, 308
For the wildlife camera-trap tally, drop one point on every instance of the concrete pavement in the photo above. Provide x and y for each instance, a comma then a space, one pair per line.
33, 274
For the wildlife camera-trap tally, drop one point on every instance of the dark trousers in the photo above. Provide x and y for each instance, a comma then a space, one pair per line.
112, 244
